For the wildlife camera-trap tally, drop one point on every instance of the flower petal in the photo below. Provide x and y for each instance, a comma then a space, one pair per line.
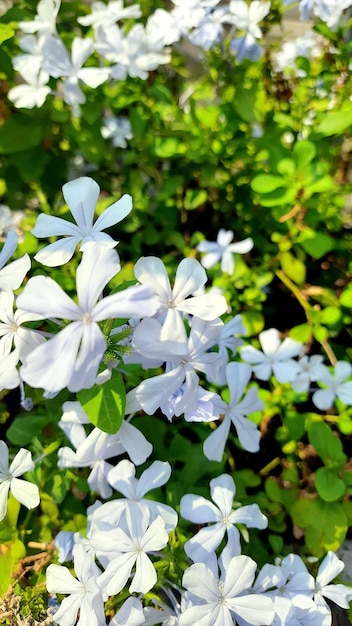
81, 195
42, 295
114, 213
25, 492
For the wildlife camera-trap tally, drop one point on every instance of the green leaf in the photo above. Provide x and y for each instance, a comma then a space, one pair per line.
327, 445
335, 122
10, 555
302, 333
326, 524
293, 267
105, 404
194, 198
19, 133
6, 32
25, 427
304, 152
330, 316
329, 486
245, 102
327, 530
317, 245
253, 322
346, 297
265, 183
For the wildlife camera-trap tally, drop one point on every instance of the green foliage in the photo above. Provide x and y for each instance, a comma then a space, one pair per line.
105, 404
215, 145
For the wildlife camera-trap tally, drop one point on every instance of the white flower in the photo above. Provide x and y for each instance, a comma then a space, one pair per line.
300, 611
132, 54
11, 329
223, 250
200, 511
238, 376
173, 302
25, 492
217, 601
72, 357
44, 22
57, 62
123, 479
229, 340
132, 543
81, 196
9, 376
311, 368
336, 386
12, 275
83, 593
276, 358
118, 129
210, 29
161, 30
105, 14
331, 567
246, 18
287, 579
130, 614
9, 219
32, 94
180, 367
330, 11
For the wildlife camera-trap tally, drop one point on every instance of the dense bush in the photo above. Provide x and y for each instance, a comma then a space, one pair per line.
234, 149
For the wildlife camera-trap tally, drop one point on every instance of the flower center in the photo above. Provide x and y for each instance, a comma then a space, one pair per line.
87, 318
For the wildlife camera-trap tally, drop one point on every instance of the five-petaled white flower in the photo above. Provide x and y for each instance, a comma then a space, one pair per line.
83, 592
200, 511
237, 376
72, 357
218, 601
276, 358
173, 302
336, 384
12, 275
223, 250
25, 492
81, 196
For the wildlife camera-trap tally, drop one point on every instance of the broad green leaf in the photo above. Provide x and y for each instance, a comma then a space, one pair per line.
286, 167
327, 445
335, 122
167, 146
265, 183
304, 152
330, 316
293, 267
245, 102
325, 523
320, 333
302, 333
194, 198
327, 528
105, 404
6, 32
253, 321
10, 555
279, 198
317, 245
346, 297
25, 427
19, 133
329, 486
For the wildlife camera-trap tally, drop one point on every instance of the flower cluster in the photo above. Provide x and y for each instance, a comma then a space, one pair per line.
114, 50
206, 372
